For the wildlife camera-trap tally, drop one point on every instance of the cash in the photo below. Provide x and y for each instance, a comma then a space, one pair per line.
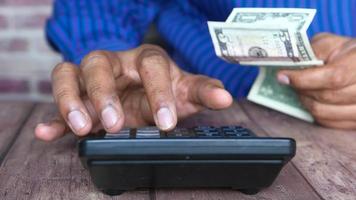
243, 43
271, 38
267, 91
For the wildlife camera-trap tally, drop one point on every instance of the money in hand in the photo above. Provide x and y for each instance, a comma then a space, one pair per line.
282, 42
237, 43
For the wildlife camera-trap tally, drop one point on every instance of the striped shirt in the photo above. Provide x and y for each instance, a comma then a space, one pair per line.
77, 27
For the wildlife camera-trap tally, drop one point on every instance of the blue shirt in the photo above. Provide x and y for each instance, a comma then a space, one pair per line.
80, 26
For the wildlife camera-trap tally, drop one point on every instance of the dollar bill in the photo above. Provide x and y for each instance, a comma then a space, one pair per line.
237, 43
267, 91
296, 19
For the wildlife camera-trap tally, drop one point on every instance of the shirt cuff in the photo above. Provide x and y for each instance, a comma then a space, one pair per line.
108, 45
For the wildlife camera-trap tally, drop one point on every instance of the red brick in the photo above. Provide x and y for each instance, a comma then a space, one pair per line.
13, 45
35, 21
26, 2
44, 87
13, 86
3, 22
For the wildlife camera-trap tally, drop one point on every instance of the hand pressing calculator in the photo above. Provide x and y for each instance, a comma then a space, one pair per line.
204, 156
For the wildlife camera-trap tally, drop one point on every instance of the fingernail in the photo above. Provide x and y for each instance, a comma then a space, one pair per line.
77, 120
109, 116
165, 118
42, 124
283, 79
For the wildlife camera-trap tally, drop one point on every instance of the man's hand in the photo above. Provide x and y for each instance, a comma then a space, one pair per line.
329, 91
131, 88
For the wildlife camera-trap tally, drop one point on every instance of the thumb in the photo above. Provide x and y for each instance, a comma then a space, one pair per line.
209, 93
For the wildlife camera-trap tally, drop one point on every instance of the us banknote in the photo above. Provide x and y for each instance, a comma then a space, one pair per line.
243, 43
296, 21
266, 90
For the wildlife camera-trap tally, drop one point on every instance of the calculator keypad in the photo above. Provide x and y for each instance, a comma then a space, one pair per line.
196, 132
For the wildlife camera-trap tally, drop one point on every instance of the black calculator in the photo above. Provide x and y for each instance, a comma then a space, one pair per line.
201, 157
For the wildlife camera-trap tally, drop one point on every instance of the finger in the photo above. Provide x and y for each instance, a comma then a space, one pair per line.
98, 76
339, 73
153, 67
209, 93
349, 45
51, 131
307, 79
329, 111
57, 127
338, 124
326, 45
343, 96
66, 92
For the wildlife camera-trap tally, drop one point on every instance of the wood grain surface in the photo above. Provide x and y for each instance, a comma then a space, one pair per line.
323, 168
12, 117
325, 157
39, 170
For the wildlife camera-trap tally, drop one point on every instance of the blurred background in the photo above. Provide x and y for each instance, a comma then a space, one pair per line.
26, 60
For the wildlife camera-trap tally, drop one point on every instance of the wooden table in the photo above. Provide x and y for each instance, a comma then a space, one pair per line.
323, 168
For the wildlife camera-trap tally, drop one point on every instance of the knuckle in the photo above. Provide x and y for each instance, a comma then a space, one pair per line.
96, 56
322, 44
64, 67
315, 109
337, 80
152, 60
151, 55
322, 36
329, 96
158, 92
95, 91
326, 96
151, 47
61, 95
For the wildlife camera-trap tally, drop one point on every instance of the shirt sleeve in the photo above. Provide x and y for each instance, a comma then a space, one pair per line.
78, 27
185, 29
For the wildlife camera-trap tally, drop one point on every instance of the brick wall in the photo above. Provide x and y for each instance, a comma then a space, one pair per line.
25, 58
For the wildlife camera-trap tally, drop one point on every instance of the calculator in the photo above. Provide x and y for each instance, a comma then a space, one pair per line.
198, 157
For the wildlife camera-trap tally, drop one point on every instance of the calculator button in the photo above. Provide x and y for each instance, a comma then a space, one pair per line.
206, 129
246, 133
147, 135
148, 129
148, 132
237, 134
232, 128
179, 133
233, 135
124, 133
208, 134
